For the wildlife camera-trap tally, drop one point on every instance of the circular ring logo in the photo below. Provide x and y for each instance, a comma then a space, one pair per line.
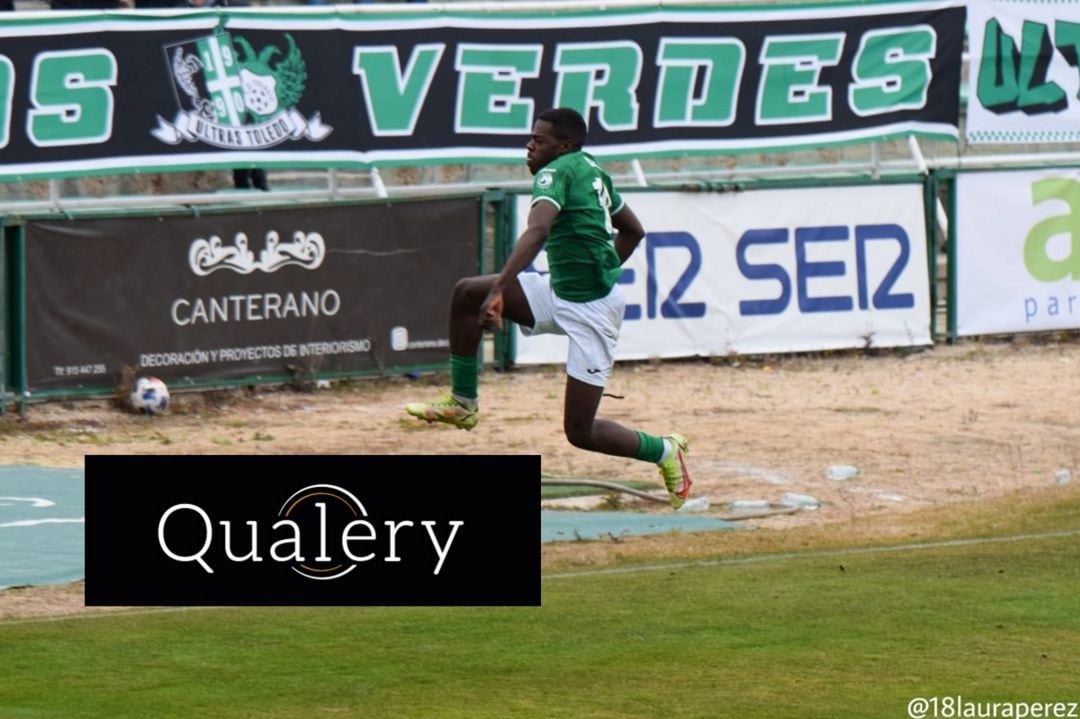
326, 509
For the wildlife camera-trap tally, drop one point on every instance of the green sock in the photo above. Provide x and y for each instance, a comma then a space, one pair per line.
463, 376
650, 448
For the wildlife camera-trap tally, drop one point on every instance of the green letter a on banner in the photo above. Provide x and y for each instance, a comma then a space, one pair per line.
1036, 258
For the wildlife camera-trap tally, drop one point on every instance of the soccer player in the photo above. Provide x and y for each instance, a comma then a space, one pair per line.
590, 232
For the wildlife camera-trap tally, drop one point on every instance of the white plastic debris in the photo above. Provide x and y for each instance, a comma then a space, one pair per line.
841, 472
1062, 476
794, 499
697, 504
749, 504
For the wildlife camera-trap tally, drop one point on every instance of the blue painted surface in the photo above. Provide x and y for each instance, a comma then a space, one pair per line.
42, 521
569, 526
41, 525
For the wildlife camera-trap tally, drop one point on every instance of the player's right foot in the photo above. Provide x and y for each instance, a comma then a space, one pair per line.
445, 409
673, 470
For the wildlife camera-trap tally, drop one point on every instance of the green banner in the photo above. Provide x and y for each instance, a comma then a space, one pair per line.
118, 92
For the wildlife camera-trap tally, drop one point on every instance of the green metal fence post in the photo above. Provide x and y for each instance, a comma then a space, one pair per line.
15, 241
503, 246
4, 334
950, 305
930, 196
509, 235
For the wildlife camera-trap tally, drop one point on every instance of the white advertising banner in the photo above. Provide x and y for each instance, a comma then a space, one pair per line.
767, 271
1017, 251
1024, 85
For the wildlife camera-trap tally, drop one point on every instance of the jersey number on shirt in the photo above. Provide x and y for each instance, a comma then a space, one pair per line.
605, 203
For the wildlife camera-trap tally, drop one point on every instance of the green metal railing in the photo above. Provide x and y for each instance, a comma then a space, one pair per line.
498, 234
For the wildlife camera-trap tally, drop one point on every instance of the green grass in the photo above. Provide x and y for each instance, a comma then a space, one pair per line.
804, 634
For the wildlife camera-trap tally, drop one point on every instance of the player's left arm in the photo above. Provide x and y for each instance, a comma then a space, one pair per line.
629, 232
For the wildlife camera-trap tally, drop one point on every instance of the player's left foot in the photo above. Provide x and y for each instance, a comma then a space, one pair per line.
445, 409
673, 470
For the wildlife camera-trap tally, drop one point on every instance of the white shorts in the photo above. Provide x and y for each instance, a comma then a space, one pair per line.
593, 327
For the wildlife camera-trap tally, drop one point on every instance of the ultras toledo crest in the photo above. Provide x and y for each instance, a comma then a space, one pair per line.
237, 100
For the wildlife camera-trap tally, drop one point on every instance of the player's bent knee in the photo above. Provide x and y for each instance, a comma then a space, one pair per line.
580, 437
460, 292
467, 294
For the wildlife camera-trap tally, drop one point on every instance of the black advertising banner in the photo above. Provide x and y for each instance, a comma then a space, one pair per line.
353, 87
340, 288
317, 530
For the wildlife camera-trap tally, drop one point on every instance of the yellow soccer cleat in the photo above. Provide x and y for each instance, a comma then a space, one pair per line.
445, 409
673, 470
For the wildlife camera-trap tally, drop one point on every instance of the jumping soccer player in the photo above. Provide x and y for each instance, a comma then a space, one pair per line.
590, 232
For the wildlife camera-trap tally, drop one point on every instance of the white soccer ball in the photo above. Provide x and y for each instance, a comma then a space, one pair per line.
149, 395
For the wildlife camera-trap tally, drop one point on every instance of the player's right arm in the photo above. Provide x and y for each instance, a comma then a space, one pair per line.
630, 232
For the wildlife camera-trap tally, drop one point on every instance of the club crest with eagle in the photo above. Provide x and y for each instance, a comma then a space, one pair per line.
238, 100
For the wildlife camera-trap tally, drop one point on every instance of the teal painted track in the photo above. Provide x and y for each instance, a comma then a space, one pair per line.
42, 518
572, 526
41, 525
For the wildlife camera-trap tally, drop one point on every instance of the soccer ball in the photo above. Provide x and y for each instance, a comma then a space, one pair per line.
149, 395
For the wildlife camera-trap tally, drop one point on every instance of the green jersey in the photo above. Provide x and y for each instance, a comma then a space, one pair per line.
581, 255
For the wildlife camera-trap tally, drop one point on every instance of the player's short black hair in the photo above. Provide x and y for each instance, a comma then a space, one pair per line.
567, 124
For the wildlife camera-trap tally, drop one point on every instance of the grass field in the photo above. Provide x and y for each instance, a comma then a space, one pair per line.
847, 621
